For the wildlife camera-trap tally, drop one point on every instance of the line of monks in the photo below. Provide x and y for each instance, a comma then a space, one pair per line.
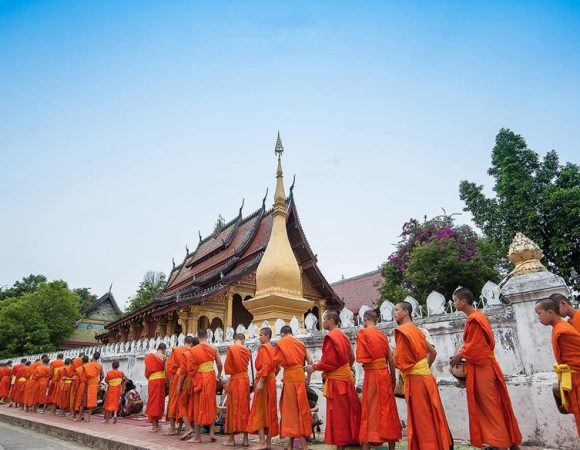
192, 374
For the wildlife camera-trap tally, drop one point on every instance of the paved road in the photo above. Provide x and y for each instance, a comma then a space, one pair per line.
17, 438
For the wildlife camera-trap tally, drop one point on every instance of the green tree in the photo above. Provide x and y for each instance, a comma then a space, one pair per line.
38, 321
437, 255
28, 284
536, 196
151, 286
85, 297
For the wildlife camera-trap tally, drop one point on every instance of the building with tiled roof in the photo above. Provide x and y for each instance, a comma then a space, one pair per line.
209, 287
360, 290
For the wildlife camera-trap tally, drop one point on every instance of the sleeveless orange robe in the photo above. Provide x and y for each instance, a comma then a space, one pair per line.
172, 365
566, 346
80, 395
427, 427
238, 389
113, 395
264, 412
30, 388
66, 387
56, 381
204, 384
379, 417
43, 374
343, 407
92, 370
155, 387
295, 416
21, 382
491, 417
54, 365
76, 363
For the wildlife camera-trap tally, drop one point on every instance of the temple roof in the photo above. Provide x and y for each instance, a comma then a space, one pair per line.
234, 249
360, 290
108, 297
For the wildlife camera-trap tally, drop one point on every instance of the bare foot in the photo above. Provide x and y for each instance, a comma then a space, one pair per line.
170, 433
229, 443
154, 430
186, 435
195, 440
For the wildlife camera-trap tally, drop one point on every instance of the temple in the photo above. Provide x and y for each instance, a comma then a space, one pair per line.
253, 268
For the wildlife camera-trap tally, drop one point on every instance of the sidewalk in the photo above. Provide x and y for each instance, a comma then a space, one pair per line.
127, 434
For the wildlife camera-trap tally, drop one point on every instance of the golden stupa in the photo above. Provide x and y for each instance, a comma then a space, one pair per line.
526, 255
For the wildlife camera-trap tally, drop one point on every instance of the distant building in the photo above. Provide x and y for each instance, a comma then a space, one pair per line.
100, 313
360, 290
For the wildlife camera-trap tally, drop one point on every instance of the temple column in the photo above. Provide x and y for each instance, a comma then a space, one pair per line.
170, 327
161, 327
229, 310
193, 317
183, 320
321, 310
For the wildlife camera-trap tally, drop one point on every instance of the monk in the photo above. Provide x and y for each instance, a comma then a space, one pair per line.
567, 310
56, 381
63, 399
76, 363
30, 389
172, 374
21, 381
184, 386
54, 365
94, 374
295, 416
5, 380
264, 413
43, 375
237, 391
380, 419
14, 381
343, 407
427, 427
566, 346
115, 380
201, 369
491, 418
80, 391
154, 365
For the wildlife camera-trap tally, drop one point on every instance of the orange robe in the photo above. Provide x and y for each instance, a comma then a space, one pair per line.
204, 383
491, 417
575, 321
56, 382
295, 415
76, 363
238, 389
54, 365
185, 400
14, 374
30, 389
5, 379
264, 412
566, 346
343, 407
21, 381
80, 394
172, 365
43, 374
155, 387
66, 387
427, 427
114, 381
93, 371
380, 418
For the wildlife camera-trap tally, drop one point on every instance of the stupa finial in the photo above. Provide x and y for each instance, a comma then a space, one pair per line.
526, 255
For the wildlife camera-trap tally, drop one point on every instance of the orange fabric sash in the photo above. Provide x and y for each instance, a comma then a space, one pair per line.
343, 373
271, 375
239, 376
115, 381
376, 364
157, 375
293, 374
94, 380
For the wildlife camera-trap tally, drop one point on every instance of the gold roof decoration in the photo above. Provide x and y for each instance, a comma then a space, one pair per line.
526, 255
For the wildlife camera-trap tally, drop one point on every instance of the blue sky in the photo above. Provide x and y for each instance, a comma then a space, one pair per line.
126, 127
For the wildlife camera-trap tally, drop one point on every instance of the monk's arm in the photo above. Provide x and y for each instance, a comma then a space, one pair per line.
309, 360
218, 363
180, 383
475, 348
328, 360
352, 358
391, 361
431, 354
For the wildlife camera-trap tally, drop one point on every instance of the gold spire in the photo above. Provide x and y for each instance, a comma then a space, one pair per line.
526, 255
278, 277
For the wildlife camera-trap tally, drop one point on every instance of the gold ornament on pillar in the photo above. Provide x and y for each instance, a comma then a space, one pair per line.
278, 277
526, 255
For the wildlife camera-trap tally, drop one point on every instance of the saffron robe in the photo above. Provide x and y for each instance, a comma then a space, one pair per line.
66, 387
30, 389
264, 412
93, 370
80, 394
575, 321
566, 346
343, 407
114, 380
491, 417
237, 389
155, 387
5, 379
172, 365
43, 375
379, 417
21, 380
185, 401
14, 374
54, 365
295, 415
204, 384
76, 363
427, 427
56, 382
